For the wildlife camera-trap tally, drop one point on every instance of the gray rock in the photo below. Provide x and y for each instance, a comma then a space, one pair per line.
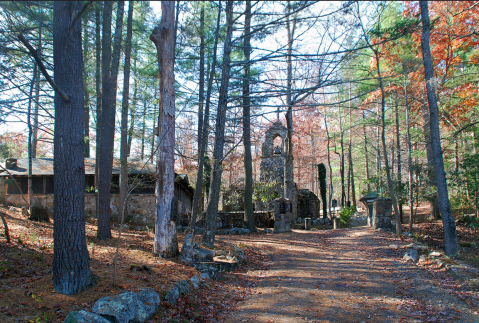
12, 209
85, 317
326, 221
211, 268
314, 222
183, 286
321, 221
24, 211
123, 308
243, 231
412, 255
393, 246
151, 300
268, 230
125, 226
205, 276
299, 220
195, 281
234, 231
222, 232
239, 254
407, 234
172, 295
422, 259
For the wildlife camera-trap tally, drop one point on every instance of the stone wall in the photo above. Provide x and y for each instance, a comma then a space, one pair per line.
382, 213
3, 189
141, 207
308, 204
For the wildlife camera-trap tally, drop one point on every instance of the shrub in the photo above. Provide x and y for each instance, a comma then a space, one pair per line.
345, 216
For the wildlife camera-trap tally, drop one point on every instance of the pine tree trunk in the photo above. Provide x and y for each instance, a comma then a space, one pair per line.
450, 236
37, 90
248, 161
85, 89
165, 242
122, 205
71, 270
98, 97
366, 157
204, 135
217, 169
409, 161
110, 64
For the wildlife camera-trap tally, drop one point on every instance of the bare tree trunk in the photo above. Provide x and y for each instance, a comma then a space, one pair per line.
86, 49
202, 76
37, 88
71, 269
409, 161
5, 227
330, 195
399, 170
450, 236
30, 133
350, 157
289, 160
366, 157
341, 166
133, 105
204, 135
110, 64
122, 205
98, 97
165, 242
248, 161
143, 130
217, 170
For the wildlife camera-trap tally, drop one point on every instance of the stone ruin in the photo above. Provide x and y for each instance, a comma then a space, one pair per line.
304, 204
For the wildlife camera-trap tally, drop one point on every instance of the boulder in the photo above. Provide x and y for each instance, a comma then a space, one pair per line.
239, 254
205, 276
172, 295
195, 281
268, 230
183, 287
123, 308
234, 231
411, 255
211, 268
243, 231
25, 211
85, 317
191, 252
150, 299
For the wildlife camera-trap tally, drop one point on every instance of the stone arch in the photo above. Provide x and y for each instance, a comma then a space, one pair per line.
276, 130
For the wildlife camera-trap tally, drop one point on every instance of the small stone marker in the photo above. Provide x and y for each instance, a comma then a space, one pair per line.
307, 223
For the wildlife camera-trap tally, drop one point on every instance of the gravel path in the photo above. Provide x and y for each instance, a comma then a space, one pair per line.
347, 275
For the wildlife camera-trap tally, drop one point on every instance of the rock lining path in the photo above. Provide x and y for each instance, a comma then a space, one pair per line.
347, 275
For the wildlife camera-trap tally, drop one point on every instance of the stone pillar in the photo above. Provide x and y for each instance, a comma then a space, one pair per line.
282, 213
307, 223
382, 213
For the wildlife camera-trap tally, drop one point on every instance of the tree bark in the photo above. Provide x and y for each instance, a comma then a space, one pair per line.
450, 236
341, 166
204, 135
110, 64
248, 161
71, 270
217, 170
85, 88
289, 159
366, 157
98, 96
165, 242
399, 170
30, 133
409, 160
122, 206
37, 88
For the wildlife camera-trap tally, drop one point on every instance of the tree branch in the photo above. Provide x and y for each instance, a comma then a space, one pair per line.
42, 68
80, 13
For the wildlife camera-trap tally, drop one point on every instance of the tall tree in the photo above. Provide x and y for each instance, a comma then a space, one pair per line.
217, 170
248, 162
110, 63
71, 271
165, 243
450, 235
124, 118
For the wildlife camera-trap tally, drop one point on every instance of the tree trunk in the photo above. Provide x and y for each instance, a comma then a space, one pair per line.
124, 120
133, 105
202, 76
399, 170
409, 161
330, 196
143, 130
71, 270
98, 97
341, 166
392, 190
366, 157
86, 49
165, 242
110, 64
37, 89
289, 160
30, 133
217, 170
248, 161
204, 135
450, 236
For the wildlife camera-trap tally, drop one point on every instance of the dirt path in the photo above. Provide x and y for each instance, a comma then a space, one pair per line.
347, 275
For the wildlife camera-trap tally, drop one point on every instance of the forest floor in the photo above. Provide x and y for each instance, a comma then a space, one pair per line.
346, 275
